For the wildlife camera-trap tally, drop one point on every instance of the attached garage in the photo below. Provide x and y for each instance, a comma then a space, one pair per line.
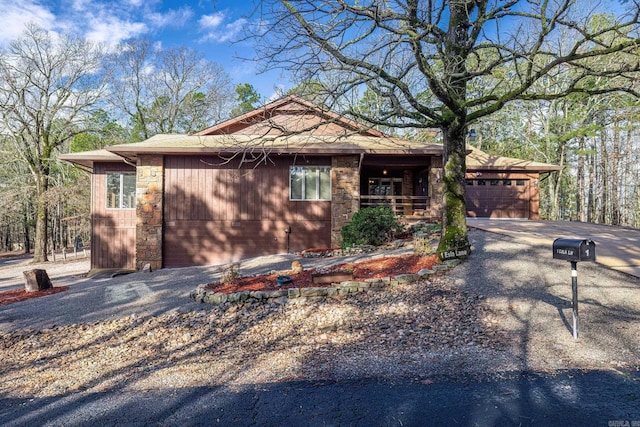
498, 197
503, 187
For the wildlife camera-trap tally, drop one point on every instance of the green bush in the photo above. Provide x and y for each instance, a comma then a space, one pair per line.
371, 226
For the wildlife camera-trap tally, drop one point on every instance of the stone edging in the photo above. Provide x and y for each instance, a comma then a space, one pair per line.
315, 294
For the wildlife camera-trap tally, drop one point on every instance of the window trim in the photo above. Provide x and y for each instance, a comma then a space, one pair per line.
121, 176
303, 198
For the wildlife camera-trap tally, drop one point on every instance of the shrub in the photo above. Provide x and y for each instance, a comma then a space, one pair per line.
371, 226
230, 274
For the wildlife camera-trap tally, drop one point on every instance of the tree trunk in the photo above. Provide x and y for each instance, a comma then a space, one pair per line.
615, 162
40, 244
604, 179
454, 242
591, 197
26, 234
580, 200
558, 184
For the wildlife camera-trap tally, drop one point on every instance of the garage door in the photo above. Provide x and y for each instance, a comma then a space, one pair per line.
497, 198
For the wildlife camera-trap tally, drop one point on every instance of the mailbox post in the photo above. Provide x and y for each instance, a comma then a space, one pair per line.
574, 250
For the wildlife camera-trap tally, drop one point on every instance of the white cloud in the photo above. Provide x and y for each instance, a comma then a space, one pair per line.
172, 18
80, 5
209, 22
225, 33
112, 21
15, 15
112, 30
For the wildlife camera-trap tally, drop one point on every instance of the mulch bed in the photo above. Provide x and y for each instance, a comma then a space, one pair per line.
376, 268
380, 267
17, 295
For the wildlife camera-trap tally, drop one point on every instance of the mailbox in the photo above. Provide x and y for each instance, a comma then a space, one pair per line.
574, 249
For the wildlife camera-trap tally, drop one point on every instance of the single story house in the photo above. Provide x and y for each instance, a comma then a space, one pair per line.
283, 178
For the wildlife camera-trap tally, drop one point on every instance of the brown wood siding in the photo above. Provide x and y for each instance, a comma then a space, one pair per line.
113, 231
502, 195
217, 213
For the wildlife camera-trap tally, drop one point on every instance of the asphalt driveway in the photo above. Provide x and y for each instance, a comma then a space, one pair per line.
590, 380
616, 247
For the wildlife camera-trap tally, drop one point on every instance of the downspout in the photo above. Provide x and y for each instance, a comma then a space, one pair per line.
127, 161
360, 176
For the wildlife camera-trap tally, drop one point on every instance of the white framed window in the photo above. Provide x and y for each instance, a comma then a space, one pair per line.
121, 190
310, 183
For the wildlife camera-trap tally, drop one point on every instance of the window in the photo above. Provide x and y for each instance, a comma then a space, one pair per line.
121, 190
385, 186
310, 183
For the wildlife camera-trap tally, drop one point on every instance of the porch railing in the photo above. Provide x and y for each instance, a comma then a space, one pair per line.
401, 205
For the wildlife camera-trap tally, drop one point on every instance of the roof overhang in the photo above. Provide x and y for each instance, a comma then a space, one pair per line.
86, 159
274, 145
478, 160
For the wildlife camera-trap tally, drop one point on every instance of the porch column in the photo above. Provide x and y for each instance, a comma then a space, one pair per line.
407, 192
345, 193
149, 211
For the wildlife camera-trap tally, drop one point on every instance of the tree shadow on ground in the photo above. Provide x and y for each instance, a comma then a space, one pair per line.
237, 390
570, 398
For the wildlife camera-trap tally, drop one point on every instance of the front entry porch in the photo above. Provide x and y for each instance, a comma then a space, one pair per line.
410, 187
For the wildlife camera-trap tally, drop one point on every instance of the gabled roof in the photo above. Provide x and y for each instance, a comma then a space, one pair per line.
479, 160
289, 125
274, 145
289, 115
292, 125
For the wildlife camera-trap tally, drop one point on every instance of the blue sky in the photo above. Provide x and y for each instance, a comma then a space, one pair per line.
211, 27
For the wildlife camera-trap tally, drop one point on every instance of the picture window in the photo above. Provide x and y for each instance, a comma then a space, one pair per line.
310, 183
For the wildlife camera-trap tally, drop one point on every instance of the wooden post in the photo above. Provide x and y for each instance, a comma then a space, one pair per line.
36, 280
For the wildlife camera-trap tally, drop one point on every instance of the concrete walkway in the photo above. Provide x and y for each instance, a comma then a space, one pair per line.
616, 247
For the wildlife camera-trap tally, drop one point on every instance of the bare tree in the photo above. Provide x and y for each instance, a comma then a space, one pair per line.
446, 64
168, 90
48, 87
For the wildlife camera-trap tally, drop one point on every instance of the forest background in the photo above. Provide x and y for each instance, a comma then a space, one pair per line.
61, 94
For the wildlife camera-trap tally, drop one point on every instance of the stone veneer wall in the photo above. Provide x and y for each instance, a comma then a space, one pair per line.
149, 211
345, 193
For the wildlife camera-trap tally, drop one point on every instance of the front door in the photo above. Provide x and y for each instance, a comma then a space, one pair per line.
382, 191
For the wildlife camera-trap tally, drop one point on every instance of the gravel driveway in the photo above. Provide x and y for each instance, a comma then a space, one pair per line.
506, 309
